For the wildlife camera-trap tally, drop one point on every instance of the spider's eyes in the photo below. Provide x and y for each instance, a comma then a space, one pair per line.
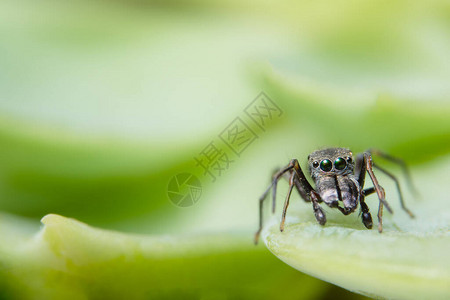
326, 165
340, 163
349, 159
315, 164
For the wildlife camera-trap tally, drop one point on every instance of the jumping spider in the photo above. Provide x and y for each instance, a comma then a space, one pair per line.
339, 180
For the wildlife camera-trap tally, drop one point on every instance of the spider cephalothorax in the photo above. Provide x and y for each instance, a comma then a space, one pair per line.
339, 181
331, 161
332, 172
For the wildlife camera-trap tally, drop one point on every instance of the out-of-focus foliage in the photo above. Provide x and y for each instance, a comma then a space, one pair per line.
102, 102
415, 130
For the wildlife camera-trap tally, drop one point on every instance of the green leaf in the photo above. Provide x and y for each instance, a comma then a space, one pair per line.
71, 260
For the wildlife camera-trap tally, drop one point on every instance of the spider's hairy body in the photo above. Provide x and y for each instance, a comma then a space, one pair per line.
339, 183
336, 186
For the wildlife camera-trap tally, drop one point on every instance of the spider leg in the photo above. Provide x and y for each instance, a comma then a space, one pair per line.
364, 162
294, 181
365, 214
368, 191
286, 202
297, 185
275, 178
301, 190
390, 175
399, 162
309, 194
297, 178
380, 217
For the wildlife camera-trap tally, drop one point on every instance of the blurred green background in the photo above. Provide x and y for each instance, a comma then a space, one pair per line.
103, 102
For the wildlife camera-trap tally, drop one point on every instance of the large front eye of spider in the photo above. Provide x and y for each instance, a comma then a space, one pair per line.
340, 163
326, 165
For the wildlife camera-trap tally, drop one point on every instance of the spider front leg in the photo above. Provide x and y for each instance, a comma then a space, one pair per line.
318, 211
286, 202
297, 178
313, 197
308, 194
365, 214
364, 164
399, 162
275, 178
405, 171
